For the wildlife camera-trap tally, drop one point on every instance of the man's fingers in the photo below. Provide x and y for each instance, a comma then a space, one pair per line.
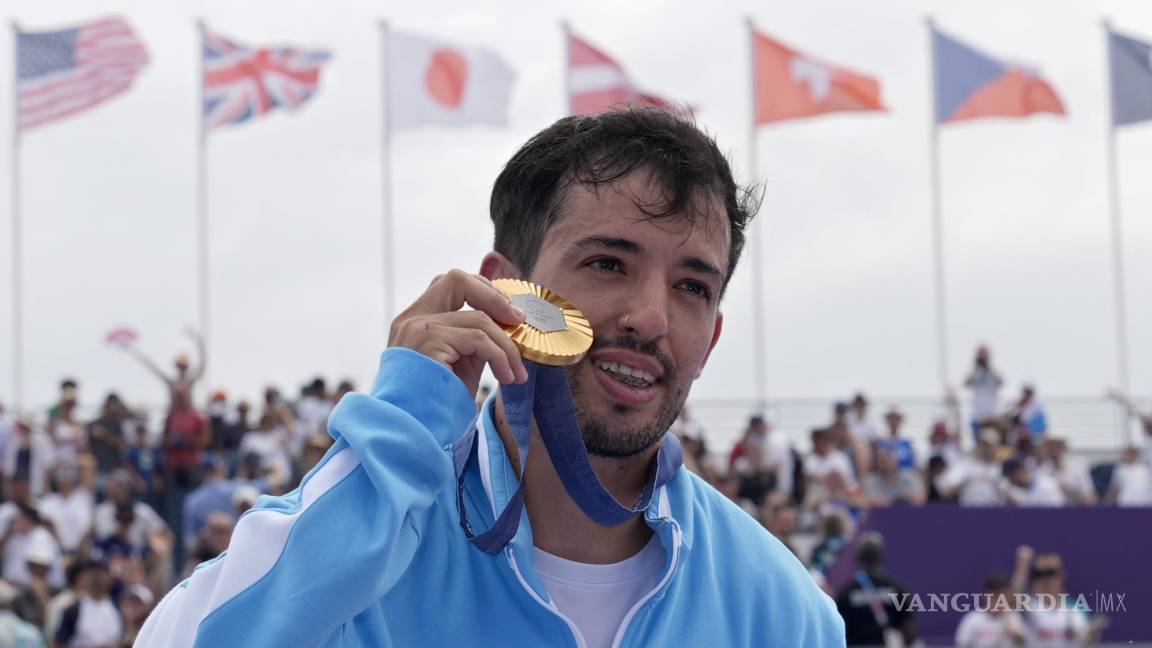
452, 290
453, 343
480, 320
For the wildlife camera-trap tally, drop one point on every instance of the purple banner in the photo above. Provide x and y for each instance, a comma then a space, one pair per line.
947, 550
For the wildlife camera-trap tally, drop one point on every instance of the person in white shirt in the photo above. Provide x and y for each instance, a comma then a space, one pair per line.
1071, 475
828, 472
1023, 487
70, 509
858, 423
974, 480
93, 621
985, 383
147, 528
26, 537
270, 443
1131, 480
992, 623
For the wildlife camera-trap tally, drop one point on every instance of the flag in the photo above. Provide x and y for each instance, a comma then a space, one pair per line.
971, 84
596, 83
434, 82
121, 336
1130, 62
60, 73
790, 84
241, 83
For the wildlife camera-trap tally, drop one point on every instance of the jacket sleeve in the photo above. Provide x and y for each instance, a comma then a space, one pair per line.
301, 565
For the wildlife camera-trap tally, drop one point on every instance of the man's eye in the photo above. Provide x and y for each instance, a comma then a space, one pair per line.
607, 265
697, 288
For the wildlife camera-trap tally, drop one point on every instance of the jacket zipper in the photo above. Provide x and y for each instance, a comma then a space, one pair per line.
623, 629
548, 605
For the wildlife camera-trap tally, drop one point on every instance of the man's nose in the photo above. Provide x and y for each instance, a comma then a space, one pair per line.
645, 315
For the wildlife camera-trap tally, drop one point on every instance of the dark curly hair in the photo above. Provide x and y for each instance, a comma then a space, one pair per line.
684, 163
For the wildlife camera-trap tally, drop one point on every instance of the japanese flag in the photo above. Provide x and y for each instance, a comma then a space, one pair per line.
433, 82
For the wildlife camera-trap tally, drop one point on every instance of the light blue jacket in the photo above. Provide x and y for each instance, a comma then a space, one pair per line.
369, 551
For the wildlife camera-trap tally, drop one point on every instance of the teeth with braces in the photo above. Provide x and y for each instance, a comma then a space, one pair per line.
628, 375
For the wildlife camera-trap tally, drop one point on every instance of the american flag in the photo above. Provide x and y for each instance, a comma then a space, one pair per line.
242, 83
60, 73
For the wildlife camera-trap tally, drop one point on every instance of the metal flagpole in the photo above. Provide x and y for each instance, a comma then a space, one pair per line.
388, 243
17, 236
1117, 252
567, 66
203, 257
937, 225
759, 366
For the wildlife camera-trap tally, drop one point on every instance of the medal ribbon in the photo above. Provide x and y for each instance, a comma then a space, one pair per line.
545, 394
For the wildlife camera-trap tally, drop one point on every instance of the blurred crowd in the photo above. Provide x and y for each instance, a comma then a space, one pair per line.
101, 515
813, 497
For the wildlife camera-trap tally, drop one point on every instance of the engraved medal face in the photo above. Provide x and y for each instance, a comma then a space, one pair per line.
553, 332
541, 315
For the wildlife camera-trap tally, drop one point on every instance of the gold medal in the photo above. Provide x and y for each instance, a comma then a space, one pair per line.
553, 332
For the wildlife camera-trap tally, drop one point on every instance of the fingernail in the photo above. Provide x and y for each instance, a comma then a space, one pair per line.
519, 313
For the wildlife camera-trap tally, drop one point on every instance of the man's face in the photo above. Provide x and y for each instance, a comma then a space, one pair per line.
650, 290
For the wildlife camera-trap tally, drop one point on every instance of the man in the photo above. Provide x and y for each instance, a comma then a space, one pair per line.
993, 623
71, 508
1025, 487
975, 480
858, 422
16, 632
828, 472
868, 603
985, 383
895, 443
634, 217
93, 620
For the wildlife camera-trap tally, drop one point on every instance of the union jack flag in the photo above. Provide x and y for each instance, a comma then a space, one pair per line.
241, 83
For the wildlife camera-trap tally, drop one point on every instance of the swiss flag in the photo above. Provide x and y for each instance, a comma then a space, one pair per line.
791, 84
596, 83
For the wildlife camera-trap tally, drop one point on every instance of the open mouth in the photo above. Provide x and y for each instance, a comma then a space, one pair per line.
632, 376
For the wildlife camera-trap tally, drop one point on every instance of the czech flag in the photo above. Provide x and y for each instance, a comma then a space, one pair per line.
971, 84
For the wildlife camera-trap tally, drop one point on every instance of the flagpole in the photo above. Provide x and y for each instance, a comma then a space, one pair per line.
202, 236
937, 225
759, 366
17, 239
1118, 285
387, 232
567, 66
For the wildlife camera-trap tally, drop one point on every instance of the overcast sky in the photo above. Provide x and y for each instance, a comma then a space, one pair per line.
109, 216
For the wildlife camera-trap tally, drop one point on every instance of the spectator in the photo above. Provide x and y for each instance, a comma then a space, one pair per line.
937, 466
345, 387
891, 484
992, 626
691, 435
211, 541
30, 453
16, 632
269, 443
1023, 488
1072, 476
1050, 623
1028, 417
780, 518
214, 495
754, 434
945, 443
77, 574
243, 499
756, 479
834, 536
857, 449
858, 423
63, 427
312, 411
828, 471
135, 604
973, 481
142, 467
27, 536
19, 493
317, 445
70, 508
896, 444
185, 430
1131, 480
36, 593
868, 603
93, 620
145, 529
106, 436
985, 383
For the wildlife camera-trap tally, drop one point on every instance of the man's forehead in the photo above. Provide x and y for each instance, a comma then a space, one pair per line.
636, 201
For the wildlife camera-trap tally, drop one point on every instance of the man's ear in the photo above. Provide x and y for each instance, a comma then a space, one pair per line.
716, 329
497, 266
